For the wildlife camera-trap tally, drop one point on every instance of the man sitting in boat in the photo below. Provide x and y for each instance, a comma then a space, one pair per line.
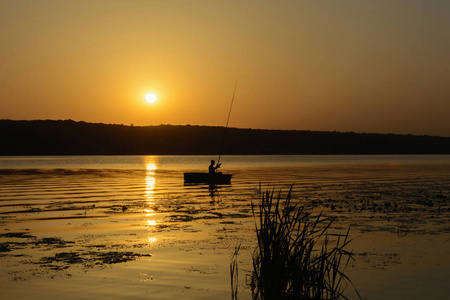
212, 168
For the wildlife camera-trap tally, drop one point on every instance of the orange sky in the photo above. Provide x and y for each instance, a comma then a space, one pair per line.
365, 66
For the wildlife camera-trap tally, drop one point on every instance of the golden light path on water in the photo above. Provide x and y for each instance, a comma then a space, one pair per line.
150, 181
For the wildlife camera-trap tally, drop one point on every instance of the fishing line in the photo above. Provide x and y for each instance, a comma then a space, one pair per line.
228, 119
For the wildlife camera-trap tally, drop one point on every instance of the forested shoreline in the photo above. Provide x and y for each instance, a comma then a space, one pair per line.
68, 137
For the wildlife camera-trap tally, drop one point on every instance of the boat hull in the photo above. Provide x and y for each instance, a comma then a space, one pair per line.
197, 177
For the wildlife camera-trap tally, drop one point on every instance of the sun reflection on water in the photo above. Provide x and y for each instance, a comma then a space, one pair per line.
151, 165
152, 240
149, 212
150, 181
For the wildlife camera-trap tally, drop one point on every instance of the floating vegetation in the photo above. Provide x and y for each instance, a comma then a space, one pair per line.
64, 257
59, 261
20, 235
88, 258
115, 257
4, 247
54, 242
14, 245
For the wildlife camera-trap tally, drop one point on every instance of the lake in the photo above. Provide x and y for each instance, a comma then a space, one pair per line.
122, 227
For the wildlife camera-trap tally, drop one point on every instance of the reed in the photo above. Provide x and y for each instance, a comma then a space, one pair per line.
234, 273
296, 256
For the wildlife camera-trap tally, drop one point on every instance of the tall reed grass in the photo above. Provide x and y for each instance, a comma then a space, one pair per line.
296, 256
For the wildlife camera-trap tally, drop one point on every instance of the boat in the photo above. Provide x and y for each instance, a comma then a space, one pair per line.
216, 177
211, 179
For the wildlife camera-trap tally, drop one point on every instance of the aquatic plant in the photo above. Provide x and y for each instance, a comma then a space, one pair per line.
296, 256
234, 273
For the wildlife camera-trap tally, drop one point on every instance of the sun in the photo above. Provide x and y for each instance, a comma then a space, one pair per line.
150, 98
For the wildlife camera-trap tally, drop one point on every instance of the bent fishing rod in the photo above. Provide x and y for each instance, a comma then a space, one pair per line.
228, 119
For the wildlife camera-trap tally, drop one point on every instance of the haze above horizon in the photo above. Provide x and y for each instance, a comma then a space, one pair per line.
379, 66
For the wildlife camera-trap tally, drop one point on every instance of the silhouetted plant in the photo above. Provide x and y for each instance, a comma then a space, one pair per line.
295, 257
234, 273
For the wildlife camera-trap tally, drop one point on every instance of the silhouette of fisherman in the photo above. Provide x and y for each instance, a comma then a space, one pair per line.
213, 174
212, 168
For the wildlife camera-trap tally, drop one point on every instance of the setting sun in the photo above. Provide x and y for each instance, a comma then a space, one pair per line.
150, 98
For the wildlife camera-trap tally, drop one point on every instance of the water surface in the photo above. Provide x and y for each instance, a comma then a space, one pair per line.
127, 226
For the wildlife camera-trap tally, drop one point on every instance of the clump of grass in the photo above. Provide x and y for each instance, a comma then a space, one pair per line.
296, 257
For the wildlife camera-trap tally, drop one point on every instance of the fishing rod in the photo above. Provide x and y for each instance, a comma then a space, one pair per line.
228, 119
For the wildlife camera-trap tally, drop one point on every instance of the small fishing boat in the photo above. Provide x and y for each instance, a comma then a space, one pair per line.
211, 179
216, 177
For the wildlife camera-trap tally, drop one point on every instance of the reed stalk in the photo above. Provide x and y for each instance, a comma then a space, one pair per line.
296, 256
234, 273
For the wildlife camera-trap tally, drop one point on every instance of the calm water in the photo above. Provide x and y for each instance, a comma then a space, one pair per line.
164, 239
37, 182
199, 162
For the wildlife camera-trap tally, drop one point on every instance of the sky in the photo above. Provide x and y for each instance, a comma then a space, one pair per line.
364, 66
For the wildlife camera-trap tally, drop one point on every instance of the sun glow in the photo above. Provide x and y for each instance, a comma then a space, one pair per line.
150, 98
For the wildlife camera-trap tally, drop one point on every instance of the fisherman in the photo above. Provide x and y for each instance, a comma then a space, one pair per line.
212, 168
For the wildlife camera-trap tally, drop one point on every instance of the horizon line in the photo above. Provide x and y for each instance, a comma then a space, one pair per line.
220, 126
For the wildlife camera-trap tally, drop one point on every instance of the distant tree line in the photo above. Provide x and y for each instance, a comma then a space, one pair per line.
67, 137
